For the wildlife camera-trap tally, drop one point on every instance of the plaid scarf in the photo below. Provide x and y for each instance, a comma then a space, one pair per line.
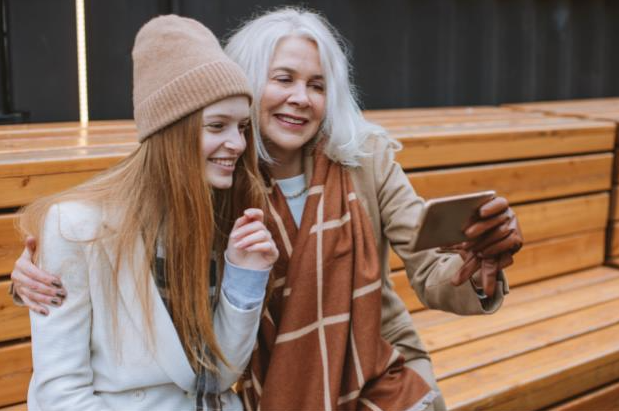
319, 346
207, 384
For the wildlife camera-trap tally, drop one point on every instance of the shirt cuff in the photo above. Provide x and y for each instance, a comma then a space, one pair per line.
244, 288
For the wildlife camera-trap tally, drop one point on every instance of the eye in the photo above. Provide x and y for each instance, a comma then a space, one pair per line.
317, 86
283, 79
214, 127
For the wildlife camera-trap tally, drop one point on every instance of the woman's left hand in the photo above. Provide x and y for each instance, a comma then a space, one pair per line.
496, 232
493, 239
250, 244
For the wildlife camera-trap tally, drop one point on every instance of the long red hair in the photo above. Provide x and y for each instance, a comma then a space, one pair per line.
160, 191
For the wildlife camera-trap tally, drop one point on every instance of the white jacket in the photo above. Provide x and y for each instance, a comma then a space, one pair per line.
79, 365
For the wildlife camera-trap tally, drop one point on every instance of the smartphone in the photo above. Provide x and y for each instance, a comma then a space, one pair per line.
444, 219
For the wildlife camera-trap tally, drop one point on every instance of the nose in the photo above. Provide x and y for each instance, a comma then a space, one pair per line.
298, 95
235, 142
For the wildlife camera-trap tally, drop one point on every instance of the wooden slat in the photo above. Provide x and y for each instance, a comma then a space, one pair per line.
439, 111
10, 243
27, 145
540, 378
28, 128
529, 292
23, 190
604, 109
476, 354
613, 239
61, 161
604, 399
547, 258
452, 147
18, 407
15, 321
15, 372
467, 329
520, 181
555, 218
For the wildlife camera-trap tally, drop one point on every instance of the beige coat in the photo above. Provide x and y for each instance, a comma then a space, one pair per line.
394, 210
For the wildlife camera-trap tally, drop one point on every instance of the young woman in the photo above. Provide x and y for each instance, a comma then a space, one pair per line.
338, 201
141, 250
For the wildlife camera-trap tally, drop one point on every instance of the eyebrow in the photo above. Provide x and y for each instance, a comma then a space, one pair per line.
292, 71
222, 116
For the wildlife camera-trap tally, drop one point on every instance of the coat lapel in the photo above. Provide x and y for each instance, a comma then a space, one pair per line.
168, 350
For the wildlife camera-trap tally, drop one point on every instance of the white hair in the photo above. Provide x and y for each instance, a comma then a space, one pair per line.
252, 46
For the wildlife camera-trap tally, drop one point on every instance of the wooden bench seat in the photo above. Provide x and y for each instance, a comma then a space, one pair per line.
514, 359
557, 171
603, 399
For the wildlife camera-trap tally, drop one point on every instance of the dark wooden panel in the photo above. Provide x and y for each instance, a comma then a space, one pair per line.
43, 58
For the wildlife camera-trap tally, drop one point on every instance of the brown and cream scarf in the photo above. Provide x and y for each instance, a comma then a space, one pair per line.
319, 346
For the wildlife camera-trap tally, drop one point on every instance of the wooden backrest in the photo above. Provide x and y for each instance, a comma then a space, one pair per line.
555, 170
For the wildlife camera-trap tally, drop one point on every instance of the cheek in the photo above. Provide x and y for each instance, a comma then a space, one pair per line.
319, 103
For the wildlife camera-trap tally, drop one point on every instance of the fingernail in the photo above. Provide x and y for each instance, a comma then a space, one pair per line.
43, 312
60, 294
55, 301
57, 284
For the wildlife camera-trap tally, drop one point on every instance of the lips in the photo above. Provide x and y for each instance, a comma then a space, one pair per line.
223, 161
292, 120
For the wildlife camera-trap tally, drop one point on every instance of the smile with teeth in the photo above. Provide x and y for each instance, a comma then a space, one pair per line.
226, 162
291, 120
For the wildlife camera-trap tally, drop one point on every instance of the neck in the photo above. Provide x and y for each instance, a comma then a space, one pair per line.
287, 165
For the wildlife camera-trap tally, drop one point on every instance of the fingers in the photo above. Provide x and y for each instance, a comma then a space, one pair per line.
246, 229
508, 244
470, 266
489, 271
25, 268
505, 260
480, 227
260, 235
495, 206
32, 306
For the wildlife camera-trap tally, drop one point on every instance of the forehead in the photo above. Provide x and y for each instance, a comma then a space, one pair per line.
235, 106
294, 52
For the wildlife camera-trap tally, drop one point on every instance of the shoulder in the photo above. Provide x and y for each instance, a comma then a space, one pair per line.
74, 220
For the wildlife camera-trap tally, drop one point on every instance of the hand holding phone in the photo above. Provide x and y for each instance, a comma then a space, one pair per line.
444, 219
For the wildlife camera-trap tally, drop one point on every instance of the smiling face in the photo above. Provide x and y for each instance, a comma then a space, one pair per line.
223, 139
292, 105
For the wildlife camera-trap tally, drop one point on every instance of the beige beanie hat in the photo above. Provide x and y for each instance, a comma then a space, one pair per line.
179, 67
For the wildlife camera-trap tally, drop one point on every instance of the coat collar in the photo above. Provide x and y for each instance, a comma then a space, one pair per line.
168, 349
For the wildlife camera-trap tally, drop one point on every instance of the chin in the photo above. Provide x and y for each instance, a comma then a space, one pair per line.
221, 184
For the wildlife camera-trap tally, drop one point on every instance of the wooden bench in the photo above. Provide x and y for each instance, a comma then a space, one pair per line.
601, 109
37, 160
555, 336
555, 170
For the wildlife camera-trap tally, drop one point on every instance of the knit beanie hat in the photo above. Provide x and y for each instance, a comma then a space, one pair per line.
178, 68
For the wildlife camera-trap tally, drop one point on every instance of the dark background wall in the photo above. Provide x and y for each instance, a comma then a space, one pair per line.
406, 53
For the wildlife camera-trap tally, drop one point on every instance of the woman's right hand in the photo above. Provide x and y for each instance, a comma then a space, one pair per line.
34, 286
250, 244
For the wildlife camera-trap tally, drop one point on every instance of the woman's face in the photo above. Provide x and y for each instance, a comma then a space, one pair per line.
292, 106
223, 140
